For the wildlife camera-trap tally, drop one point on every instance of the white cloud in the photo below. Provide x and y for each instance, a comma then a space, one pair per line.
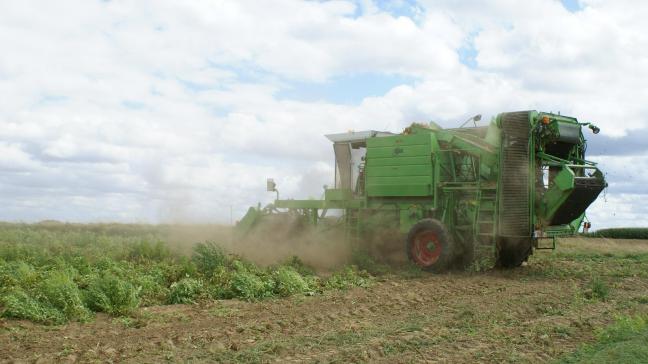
157, 110
13, 158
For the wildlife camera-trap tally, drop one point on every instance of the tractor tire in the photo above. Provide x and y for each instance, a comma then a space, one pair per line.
464, 260
429, 246
512, 253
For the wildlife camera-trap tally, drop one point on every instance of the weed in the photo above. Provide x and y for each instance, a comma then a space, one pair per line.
222, 311
563, 331
17, 273
465, 320
145, 250
413, 323
484, 258
153, 288
249, 286
597, 289
110, 294
133, 322
254, 354
208, 257
401, 346
642, 299
347, 278
220, 284
185, 290
549, 310
61, 292
20, 305
622, 342
289, 282
298, 265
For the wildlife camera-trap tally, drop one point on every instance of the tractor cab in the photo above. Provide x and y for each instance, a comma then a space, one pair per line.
350, 149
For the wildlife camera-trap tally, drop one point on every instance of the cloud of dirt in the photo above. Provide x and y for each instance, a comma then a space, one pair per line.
281, 236
183, 237
275, 239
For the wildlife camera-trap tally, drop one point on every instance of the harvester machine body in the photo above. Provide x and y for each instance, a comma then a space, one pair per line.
448, 192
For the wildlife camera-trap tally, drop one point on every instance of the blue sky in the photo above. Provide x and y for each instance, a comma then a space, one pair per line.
158, 111
572, 5
344, 89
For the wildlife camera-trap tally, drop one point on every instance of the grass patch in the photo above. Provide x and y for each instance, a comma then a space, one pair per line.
597, 289
622, 342
221, 311
563, 264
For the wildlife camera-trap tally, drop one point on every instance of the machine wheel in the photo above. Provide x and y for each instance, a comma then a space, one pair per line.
429, 246
512, 254
467, 256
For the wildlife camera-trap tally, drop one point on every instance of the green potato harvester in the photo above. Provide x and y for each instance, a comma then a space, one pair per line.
438, 195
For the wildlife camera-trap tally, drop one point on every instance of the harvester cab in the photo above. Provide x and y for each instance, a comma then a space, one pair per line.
437, 196
350, 151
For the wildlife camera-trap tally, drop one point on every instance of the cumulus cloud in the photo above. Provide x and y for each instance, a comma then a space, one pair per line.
161, 110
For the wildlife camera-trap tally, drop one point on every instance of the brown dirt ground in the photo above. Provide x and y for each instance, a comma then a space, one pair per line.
497, 316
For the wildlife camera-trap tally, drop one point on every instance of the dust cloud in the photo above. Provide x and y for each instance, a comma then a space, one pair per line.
274, 240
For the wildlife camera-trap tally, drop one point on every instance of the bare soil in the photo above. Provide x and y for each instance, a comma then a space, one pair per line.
527, 314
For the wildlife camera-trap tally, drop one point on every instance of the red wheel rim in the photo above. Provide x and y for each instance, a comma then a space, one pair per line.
426, 248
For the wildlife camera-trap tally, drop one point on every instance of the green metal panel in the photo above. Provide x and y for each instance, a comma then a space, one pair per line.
399, 166
470, 145
576, 224
248, 221
399, 190
559, 230
558, 193
337, 194
400, 171
397, 151
412, 139
380, 162
400, 180
318, 204
409, 216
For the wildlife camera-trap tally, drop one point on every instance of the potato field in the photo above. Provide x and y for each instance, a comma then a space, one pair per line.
149, 294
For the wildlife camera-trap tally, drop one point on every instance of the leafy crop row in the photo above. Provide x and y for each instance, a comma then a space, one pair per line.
621, 233
53, 276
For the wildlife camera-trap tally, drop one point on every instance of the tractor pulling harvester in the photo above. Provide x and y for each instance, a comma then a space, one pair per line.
450, 192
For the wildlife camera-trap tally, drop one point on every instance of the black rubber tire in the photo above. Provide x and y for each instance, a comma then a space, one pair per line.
511, 254
466, 257
445, 258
